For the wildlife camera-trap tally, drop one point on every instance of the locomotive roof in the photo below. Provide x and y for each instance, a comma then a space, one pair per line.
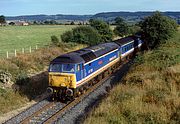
86, 54
68, 58
125, 40
103, 48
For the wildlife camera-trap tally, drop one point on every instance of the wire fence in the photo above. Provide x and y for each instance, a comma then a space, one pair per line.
23, 50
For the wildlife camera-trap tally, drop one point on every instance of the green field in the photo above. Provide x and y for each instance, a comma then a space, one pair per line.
18, 37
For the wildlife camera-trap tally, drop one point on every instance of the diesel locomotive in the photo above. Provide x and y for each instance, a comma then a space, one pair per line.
72, 73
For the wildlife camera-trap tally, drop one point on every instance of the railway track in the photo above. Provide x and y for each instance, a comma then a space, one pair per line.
53, 110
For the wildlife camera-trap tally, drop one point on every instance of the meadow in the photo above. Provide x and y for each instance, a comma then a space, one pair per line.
18, 37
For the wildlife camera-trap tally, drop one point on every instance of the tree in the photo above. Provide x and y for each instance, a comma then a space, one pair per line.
2, 19
134, 29
157, 28
72, 23
83, 35
11, 23
103, 29
35, 22
122, 28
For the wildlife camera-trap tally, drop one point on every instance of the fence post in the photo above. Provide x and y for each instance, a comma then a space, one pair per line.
30, 49
36, 47
7, 54
23, 50
15, 53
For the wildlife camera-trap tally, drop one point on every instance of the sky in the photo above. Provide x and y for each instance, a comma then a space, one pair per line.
81, 7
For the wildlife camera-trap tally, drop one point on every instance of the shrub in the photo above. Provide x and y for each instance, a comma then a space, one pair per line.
83, 35
22, 78
54, 40
67, 37
103, 29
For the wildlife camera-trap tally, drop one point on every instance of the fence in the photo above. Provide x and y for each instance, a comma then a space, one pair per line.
14, 52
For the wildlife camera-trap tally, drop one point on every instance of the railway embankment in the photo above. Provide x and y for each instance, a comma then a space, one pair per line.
27, 76
150, 91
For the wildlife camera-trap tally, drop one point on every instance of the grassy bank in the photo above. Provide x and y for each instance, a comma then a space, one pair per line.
149, 93
18, 37
28, 76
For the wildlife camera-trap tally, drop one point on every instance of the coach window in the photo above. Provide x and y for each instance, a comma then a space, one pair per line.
78, 67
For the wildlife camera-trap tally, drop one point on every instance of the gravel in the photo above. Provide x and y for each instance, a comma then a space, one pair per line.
43, 116
78, 113
18, 118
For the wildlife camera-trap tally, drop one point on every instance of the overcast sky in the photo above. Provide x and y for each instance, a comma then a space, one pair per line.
80, 7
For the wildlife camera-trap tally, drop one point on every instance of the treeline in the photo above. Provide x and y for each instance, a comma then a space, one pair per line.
54, 22
98, 31
154, 30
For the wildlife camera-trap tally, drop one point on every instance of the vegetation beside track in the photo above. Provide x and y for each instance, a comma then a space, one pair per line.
27, 81
149, 93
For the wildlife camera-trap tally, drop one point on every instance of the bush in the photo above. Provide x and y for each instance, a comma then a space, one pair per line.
67, 37
54, 40
83, 35
22, 78
103, 29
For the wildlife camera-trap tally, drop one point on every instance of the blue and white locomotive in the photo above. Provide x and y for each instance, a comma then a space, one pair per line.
70, 74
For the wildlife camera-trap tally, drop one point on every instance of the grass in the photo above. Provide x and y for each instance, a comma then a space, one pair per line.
18, 37
149, 93
9, 100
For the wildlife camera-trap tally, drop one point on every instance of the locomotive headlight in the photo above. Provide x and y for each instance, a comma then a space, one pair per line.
63, 84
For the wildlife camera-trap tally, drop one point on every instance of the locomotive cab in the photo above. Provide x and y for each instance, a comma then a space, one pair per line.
63, 73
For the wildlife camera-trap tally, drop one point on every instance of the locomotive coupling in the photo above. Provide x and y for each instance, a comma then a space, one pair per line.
69, 92
50, 90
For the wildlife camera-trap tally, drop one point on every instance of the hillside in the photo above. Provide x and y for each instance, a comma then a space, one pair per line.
149, 93
107, 16
132, 16
50, 17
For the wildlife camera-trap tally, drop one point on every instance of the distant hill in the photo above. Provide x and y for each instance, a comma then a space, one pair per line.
132, 16
107, 16
49, 17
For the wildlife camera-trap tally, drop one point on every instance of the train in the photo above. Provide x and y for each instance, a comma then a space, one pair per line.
73, 73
